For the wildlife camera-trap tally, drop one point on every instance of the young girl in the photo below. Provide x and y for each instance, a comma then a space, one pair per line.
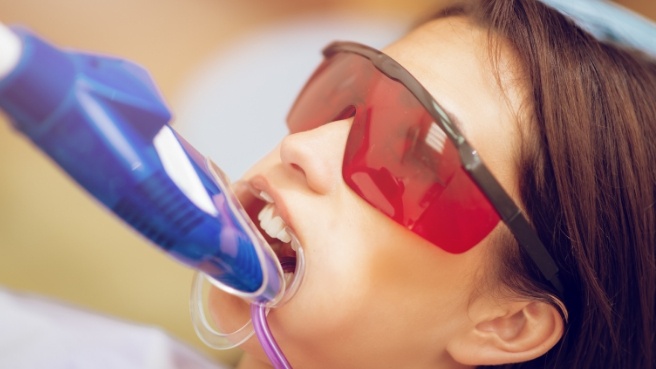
501, 212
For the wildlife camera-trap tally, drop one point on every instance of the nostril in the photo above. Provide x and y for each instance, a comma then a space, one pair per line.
297, 167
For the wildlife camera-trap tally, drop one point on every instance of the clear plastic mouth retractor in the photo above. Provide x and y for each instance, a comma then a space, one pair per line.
225, 341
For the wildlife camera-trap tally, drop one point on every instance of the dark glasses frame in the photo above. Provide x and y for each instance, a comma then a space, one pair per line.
508, 211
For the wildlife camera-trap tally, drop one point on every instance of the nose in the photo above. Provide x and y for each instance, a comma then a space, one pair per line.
317, 154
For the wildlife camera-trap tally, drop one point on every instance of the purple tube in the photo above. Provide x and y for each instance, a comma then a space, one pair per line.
264, 335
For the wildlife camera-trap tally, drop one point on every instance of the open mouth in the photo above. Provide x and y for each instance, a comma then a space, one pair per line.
262, 211
277, 235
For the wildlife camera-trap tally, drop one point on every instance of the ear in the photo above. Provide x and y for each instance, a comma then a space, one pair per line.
511, 332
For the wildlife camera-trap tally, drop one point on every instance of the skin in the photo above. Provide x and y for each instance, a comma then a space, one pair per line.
374, 294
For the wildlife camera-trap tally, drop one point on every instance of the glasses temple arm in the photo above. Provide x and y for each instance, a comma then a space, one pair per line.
512, 216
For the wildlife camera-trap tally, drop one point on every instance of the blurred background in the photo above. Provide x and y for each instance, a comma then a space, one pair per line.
229, 71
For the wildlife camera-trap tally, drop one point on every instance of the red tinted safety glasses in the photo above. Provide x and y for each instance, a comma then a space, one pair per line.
406, 157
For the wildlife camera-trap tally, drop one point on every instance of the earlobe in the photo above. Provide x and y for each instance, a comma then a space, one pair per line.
516, 332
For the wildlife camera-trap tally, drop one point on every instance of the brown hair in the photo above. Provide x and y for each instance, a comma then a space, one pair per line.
587, 180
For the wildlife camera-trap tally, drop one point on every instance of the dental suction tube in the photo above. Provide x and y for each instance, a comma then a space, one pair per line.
103, 121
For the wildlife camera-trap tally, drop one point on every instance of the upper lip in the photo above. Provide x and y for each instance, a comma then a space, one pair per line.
259, 184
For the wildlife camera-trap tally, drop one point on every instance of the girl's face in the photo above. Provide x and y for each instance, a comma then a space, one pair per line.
374, 294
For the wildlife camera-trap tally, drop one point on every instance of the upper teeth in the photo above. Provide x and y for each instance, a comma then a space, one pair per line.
274, 226
266, 197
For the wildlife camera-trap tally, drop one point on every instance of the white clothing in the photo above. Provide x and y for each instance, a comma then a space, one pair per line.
36, 332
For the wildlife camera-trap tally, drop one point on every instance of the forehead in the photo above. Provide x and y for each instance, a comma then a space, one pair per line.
452, 60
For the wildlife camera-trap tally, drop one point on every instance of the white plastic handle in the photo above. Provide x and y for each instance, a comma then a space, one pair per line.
10, 50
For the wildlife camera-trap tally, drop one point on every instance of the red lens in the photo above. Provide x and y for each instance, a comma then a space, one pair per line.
396, 158
331, 93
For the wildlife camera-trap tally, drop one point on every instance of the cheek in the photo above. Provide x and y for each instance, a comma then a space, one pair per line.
377, 294
340, 259
335, 283
363, 270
